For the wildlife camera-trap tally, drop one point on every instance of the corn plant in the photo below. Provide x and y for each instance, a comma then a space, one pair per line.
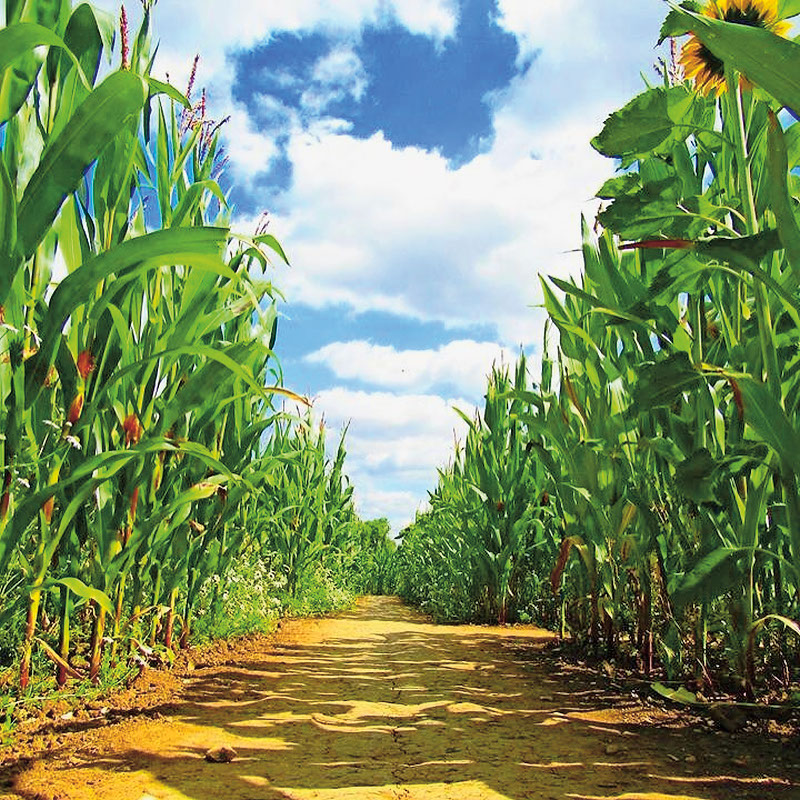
668, 446
137, 373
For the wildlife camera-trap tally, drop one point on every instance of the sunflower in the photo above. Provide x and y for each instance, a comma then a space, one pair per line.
701, 65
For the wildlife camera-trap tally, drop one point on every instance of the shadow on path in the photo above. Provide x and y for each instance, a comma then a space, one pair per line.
380, 703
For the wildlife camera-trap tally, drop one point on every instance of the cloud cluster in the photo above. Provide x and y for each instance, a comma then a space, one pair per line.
213, 30
394, 444
336, 75
461, 365
407, 234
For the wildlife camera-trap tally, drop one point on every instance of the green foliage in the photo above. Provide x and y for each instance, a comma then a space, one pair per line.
149, 480
246, 599
667, 450
368, 562
465, 558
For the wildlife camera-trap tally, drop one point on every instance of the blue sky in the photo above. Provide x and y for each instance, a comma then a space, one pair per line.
422, 162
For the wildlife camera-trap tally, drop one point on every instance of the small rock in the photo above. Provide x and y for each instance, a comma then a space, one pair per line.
612, 749
728, 717
690, 759
221, 755
546, 698
68, 715
741, 761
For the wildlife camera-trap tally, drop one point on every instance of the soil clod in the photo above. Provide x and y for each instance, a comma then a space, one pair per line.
221, 755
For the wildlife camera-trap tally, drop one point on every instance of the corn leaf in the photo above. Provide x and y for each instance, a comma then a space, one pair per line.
201, 247
80, 589
96, 122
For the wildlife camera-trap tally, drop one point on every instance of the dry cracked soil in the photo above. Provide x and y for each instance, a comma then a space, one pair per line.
378, 702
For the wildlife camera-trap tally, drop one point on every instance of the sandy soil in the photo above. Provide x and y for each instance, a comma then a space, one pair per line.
380, 703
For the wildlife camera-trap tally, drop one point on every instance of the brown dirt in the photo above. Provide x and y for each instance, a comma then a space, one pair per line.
380, 703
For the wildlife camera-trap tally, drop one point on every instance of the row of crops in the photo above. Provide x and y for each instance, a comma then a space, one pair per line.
643, 495
146, 453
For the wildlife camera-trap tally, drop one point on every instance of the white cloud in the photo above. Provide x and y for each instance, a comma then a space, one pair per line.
249, 150
462, 364
337, 75
386, 413
538, 23
342, 68
394, 442
404, 232
398, 507
435, 19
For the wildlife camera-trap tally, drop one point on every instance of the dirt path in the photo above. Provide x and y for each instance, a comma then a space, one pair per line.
379, 703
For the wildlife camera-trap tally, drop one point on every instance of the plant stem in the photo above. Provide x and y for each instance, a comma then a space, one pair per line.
27, 645
735, 114
63, 641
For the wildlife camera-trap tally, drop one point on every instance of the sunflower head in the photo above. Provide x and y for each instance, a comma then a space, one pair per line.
700, 65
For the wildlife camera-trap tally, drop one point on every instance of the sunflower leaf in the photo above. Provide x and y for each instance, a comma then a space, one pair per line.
788, 8
663, 382
653, 122
675, 24
640, 126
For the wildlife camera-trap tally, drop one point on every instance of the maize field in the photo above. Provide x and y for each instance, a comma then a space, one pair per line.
145, 447
642, 496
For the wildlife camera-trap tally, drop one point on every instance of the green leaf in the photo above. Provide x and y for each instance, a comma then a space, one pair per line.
780, 196
19, 63
21, 39
79, 588
84, 38
752, 248
665, 448
788, 8
791, 624
675, 24
620, 186
159, 87
189, 203
710, 578
96, 122
764, 414
662, 383
642, 125
679, 695
8, 222
270, 241
201, 247
635, 217
694, 477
